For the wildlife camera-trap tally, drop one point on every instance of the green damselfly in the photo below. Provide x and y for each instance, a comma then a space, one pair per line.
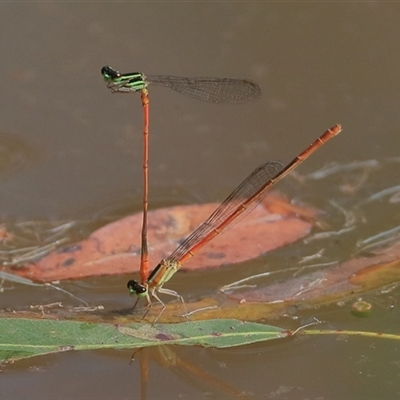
212, 90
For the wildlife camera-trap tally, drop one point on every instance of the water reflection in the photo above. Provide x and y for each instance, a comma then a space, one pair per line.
15, 154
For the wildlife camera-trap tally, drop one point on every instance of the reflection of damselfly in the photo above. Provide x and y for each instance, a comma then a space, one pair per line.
243, 199
213, 90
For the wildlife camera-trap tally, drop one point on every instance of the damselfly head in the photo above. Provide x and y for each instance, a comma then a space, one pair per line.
109, 73
136, 288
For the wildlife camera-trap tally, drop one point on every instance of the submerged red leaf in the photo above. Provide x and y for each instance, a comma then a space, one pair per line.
340, 281
115, 248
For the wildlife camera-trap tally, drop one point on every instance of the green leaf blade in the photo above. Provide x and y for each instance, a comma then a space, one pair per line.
24, 338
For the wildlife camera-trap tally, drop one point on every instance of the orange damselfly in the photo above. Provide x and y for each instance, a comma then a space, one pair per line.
243, 199
212, 90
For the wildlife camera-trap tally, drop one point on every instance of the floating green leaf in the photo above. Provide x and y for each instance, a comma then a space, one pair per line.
23, 338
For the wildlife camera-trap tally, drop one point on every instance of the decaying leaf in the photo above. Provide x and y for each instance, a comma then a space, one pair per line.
340, 281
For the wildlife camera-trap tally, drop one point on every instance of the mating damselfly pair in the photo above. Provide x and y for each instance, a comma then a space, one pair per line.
243, 199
